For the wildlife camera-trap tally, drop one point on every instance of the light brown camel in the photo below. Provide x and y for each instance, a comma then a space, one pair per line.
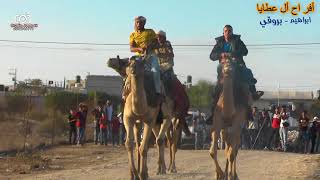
159, 130
136, 108
228, 117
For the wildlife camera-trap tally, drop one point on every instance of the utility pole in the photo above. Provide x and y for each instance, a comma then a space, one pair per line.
64, 82
278, 94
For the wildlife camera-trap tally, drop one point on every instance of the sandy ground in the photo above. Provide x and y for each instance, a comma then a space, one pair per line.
100, 162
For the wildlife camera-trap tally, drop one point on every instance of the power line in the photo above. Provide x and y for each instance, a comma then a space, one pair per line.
181, 48
125, 44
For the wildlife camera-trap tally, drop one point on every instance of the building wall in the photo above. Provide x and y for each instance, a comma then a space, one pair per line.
298, 103
111, 85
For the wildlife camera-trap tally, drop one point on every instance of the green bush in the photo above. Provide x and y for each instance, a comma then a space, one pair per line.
200, 94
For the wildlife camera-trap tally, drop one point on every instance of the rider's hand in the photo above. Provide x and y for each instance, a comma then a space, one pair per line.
142, 50
225, 55
223, 60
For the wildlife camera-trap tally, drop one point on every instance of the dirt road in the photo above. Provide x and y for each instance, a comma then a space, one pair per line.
100, 162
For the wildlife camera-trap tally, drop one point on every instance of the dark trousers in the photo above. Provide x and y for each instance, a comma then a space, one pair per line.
109, 132
252, 134
103, 136
72, 132
313, 143
274, 138
122, 134
96, 134
115, 138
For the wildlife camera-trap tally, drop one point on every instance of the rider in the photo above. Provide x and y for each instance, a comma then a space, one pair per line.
144, 42
165, 53
230, 46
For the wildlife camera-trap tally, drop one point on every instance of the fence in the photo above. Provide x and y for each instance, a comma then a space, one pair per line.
28, 121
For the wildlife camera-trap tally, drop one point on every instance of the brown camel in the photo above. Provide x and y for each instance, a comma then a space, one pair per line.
137, 109
229, 117
122, 66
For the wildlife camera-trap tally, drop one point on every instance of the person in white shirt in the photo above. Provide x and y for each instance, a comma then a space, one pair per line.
283, 131
108, 112
253, 126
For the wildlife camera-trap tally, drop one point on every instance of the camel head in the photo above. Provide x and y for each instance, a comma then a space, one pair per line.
228, 69
119, 65
136, 68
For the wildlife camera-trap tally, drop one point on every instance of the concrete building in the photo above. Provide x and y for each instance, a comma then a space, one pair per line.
300, 99
111, 85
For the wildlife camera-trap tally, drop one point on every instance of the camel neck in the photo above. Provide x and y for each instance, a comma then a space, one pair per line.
139, 100
228, 97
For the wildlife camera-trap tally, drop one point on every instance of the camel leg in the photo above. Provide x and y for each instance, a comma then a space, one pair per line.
232, 154
137, 138
170, 143
174, 149
226, 151
213, 153
177, 129
129, 146
236, 148
144, 150
156, 130
160, 143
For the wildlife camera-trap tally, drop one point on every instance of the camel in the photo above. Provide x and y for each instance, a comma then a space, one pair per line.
228, 119
122, 67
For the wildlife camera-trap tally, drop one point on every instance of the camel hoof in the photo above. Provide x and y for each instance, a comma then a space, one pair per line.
144, 177
161, 171
173, 170
220, 176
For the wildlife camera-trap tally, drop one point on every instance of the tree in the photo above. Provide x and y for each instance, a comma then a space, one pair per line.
315, 108
200, 94
36, 82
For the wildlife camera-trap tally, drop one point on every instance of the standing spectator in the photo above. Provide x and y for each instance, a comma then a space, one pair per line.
197, 127
115, 130
318, 134
122, 129
108, 112
73, 129
80, 126
284, 124
313, 134
97, 113
244, 136
303, 134
253, 126
264, 128
103, 129
275, 124
85, 113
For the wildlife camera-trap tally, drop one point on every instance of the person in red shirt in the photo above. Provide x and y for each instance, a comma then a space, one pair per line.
275, 124
115, 130
103, 128
80, 123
